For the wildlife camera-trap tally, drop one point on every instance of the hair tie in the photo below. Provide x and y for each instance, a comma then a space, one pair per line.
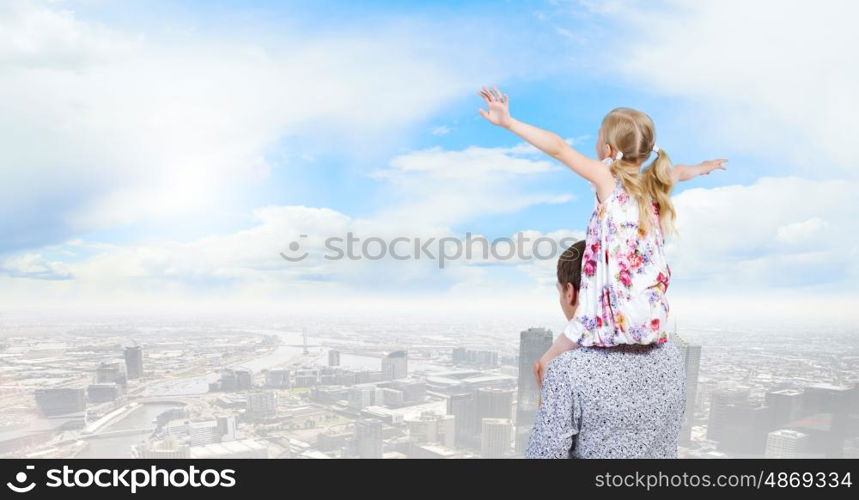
618, 155
656, 149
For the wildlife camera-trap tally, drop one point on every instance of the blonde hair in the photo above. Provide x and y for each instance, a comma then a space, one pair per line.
632, 133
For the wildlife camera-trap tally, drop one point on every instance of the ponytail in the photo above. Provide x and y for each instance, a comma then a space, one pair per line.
658, 183
631, 133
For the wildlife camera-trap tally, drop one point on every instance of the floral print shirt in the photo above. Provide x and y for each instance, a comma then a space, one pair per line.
624, 277
634, 409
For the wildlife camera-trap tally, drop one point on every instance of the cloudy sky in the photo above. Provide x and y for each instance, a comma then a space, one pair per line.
166, 153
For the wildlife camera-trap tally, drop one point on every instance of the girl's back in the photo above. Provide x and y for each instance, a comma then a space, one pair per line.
624, 276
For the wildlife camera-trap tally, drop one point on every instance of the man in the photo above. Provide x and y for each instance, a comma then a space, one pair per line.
626, 401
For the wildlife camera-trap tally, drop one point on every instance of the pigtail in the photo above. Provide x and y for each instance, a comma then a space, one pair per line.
658, 181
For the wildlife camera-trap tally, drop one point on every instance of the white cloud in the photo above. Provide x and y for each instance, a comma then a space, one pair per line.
784, 233
776, 78
437, 187
103, 127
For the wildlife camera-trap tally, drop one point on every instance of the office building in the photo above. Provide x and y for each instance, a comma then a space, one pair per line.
60, 402
495, 437
244, 379
786, 443
494, 402
463, 407
112, 372
785, 404
134, 362
333, 357
692, 363
395, 365
368, 438
533, 343
278, 378
103, 393
361, 397
261, 405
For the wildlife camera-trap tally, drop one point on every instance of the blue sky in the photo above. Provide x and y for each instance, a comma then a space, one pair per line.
170, 150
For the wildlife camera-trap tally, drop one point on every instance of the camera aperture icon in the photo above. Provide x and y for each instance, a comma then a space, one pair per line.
21, 478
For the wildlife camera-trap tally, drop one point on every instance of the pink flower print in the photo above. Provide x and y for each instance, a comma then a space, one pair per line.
654, 324
635, 260
590, 267
625, 277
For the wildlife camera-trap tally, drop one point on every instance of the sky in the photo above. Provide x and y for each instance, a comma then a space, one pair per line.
164, 154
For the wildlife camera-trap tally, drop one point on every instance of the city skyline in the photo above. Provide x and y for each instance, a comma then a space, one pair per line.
272, 391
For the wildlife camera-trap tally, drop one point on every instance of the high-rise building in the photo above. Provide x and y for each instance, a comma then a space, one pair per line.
111, 372
361, 397
494, 402
227, 428
203, 432
785, 406
368, 438
306, 377
692, 362
423, 429
134, 361
395, 365
60, 402
533, 343
738, 425
432, 428
103, 393
278, 378
721, 417
463, 407
244, 379
227, 381
463, 356
261, 405
786, 443
333, 357
495, 437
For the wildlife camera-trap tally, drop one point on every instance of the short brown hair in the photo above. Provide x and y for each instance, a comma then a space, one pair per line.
570, 265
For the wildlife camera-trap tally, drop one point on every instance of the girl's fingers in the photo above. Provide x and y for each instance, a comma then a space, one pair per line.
488, 93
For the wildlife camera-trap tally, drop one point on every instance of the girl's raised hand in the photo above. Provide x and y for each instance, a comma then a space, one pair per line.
710, 165
499, 107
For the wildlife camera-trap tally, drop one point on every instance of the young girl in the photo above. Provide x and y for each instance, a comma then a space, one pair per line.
624, 271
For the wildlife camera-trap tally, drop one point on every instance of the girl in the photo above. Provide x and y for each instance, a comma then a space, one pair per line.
624, 272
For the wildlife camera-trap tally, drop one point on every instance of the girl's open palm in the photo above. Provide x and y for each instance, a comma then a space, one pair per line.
710, 165
499, 107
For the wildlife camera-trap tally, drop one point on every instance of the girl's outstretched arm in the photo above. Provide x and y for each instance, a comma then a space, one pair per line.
548, 142
686, 172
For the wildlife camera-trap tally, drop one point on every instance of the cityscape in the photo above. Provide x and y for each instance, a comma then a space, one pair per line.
313, 388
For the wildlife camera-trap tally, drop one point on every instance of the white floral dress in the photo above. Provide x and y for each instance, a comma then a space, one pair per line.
624, 277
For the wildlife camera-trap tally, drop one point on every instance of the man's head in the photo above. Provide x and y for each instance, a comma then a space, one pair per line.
570, 277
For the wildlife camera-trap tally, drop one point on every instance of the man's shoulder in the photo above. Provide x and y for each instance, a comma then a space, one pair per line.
582, 356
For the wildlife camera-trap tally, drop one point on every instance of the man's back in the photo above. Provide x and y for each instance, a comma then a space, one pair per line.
626, 401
